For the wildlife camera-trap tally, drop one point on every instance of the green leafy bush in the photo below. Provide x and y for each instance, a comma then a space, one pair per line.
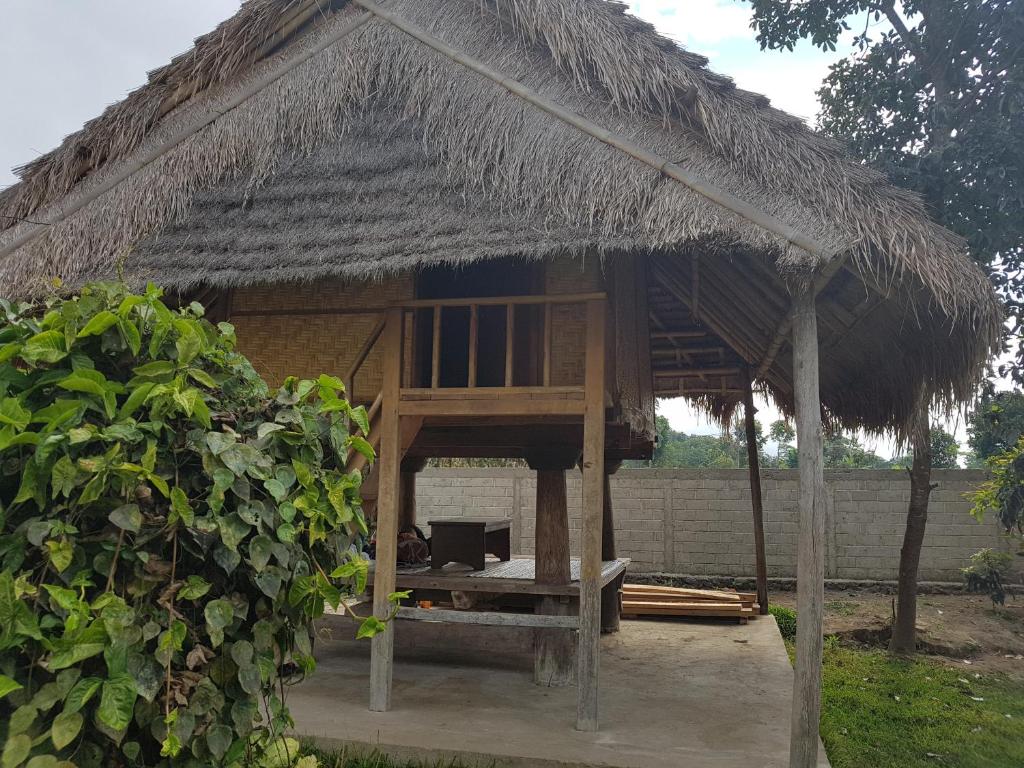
987, 574
169, 530
1003, 493
786, 619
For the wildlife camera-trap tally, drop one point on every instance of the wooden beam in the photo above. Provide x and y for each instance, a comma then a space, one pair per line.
803, 744
553, 651
382, 646
619, 142
756, 503
474, 326
610, 602
682, 372
679, 335
818, 284
537, 406
588, 656
435, 351
63, 209
490, 618
510, 336
745, 348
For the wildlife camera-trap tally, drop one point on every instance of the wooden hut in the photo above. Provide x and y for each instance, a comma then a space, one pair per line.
511, 225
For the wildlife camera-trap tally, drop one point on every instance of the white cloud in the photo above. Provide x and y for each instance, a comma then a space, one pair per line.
697, 23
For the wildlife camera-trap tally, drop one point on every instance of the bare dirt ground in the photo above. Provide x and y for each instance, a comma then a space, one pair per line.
962, 630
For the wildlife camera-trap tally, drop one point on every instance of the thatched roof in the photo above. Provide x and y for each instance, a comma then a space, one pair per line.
512, 167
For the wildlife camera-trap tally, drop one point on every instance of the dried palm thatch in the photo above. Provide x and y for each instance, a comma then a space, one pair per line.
510, 162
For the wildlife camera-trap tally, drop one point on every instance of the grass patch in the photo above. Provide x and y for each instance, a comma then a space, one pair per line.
786, 619
841, 607
879, 712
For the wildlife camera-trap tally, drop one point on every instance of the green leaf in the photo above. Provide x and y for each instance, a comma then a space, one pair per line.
360, 417
189, 343
12, 412
127, 517
74, 655
98, 324
232, 530
135, 399
89, 382
218, 739
286, 533
331, 382
62, 553
303, 474
268, 427
7, 685
371, 626
131, 334
260, 550
155, 370
219, 615
202, 377
362, 446
250, 680
64, 477
45, 347
180, 508
66, 727
79, 696
21, 719
15, 751
218, 442
117, 702
276, 489
195, 588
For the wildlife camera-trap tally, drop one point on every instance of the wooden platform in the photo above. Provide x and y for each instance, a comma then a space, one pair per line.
513, 576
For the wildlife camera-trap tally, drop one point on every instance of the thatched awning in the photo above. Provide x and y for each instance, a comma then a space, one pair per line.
462, 155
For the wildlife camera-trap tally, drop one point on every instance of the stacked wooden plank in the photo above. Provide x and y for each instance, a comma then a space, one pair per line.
651, 600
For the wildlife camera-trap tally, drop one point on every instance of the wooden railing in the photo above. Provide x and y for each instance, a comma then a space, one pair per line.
511, 304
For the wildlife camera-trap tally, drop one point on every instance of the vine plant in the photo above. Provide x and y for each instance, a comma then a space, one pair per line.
169, 531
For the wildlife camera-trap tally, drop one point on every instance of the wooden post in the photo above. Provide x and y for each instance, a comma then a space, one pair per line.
553, 648
803, 745
382, 645
407, 492
610, 603
754, 466
588, 656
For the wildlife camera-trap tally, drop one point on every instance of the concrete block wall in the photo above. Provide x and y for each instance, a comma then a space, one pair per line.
698, 522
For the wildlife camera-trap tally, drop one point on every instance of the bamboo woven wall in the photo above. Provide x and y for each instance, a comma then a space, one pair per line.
308, 345
568, 340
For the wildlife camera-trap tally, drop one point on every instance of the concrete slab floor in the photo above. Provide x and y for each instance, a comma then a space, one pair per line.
679, 694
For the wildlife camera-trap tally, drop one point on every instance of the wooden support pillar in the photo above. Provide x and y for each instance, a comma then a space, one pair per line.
554, 651
588, 656
382, 645
810, 569
611, 605
756, 503
407, 492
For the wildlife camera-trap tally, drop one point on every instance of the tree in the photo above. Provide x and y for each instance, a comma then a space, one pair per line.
783, 434
845, 452
996, 425
945, 451
934, 100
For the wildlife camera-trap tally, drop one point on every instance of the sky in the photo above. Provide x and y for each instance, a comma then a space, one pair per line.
68, 59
